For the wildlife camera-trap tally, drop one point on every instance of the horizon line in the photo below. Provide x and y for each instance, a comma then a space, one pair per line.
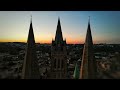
51, 43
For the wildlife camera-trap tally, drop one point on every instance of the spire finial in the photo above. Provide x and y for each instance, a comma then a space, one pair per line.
58, 17
31, 18
58, 20
89, 20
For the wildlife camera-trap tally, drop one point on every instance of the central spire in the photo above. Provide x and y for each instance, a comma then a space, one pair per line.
58, 37
58, 68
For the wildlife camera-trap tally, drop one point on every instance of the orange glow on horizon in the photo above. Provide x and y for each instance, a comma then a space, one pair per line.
44, 41
68, 41
9, 40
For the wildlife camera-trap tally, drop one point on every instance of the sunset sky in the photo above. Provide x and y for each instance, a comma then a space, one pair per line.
105, 26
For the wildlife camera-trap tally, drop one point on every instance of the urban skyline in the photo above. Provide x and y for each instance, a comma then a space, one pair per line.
14, 26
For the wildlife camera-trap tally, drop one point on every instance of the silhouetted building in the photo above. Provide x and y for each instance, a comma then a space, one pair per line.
88, 65
30, 65
58, 55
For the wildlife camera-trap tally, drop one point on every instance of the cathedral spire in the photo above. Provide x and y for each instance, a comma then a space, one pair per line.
89, 20
58, 55
30, 65
58, 37
87, 70
31, 19
89, 35
89, 25
31, 33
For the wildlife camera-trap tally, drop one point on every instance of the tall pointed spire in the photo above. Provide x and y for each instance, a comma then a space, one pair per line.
58, 55
58, 36
89, 20
31, 19
87, 70
30, 65
31, 34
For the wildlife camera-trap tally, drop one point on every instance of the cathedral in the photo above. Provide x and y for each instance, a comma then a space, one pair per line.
58, 69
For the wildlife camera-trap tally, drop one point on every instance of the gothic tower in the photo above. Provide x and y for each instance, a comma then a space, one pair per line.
88, 65
30, 64
58, 55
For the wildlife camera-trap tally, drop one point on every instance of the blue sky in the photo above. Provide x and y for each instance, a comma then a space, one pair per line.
105, 25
